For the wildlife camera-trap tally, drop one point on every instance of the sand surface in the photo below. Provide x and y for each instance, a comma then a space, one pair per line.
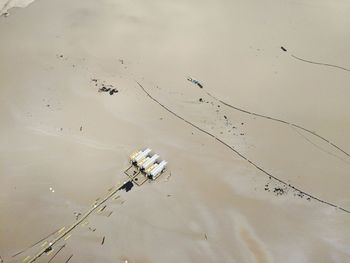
6, 5
59, 133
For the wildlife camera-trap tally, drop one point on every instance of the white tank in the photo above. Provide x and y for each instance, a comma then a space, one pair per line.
134, 154
141, 162
150, 161
149, 169
142, 155
158, 169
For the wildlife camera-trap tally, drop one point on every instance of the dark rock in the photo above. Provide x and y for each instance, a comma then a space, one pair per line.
48, 249
279, 191
113, 91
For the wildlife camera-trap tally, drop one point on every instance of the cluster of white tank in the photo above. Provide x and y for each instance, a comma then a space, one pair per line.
150, 165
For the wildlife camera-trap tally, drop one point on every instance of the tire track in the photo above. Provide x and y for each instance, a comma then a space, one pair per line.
242, 156
20, 252
58, 251
333, 145
77, 223
319, 147
320, 63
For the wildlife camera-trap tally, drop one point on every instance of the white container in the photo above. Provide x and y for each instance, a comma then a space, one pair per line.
150, 169
158, 169
141, 162
134, 154
142, 155
150, 161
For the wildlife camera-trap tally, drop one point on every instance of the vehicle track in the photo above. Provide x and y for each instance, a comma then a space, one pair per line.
243, 156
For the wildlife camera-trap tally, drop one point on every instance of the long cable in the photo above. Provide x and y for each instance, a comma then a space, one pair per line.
20, 252
58, 238
241, 155
281, 121
320, 63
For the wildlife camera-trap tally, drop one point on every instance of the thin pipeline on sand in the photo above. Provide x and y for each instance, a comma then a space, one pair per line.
20, 252
69, 258
240, 154
320, 63
58, 251
319, 147
58, 238
281, 121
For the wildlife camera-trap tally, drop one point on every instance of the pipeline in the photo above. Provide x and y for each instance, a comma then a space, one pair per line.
281, 121
242, 156
58, 238
320, 63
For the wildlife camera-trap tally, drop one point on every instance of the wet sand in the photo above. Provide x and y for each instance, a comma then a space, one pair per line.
58, 131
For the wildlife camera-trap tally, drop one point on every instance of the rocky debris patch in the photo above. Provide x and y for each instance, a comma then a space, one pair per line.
278, 190
77, 215
228, 125
92, 229
283, 189
109, 90
205, 101
103, 87
301, 195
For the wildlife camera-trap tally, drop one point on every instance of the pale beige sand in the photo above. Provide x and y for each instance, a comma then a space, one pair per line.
50, 51
6, 5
